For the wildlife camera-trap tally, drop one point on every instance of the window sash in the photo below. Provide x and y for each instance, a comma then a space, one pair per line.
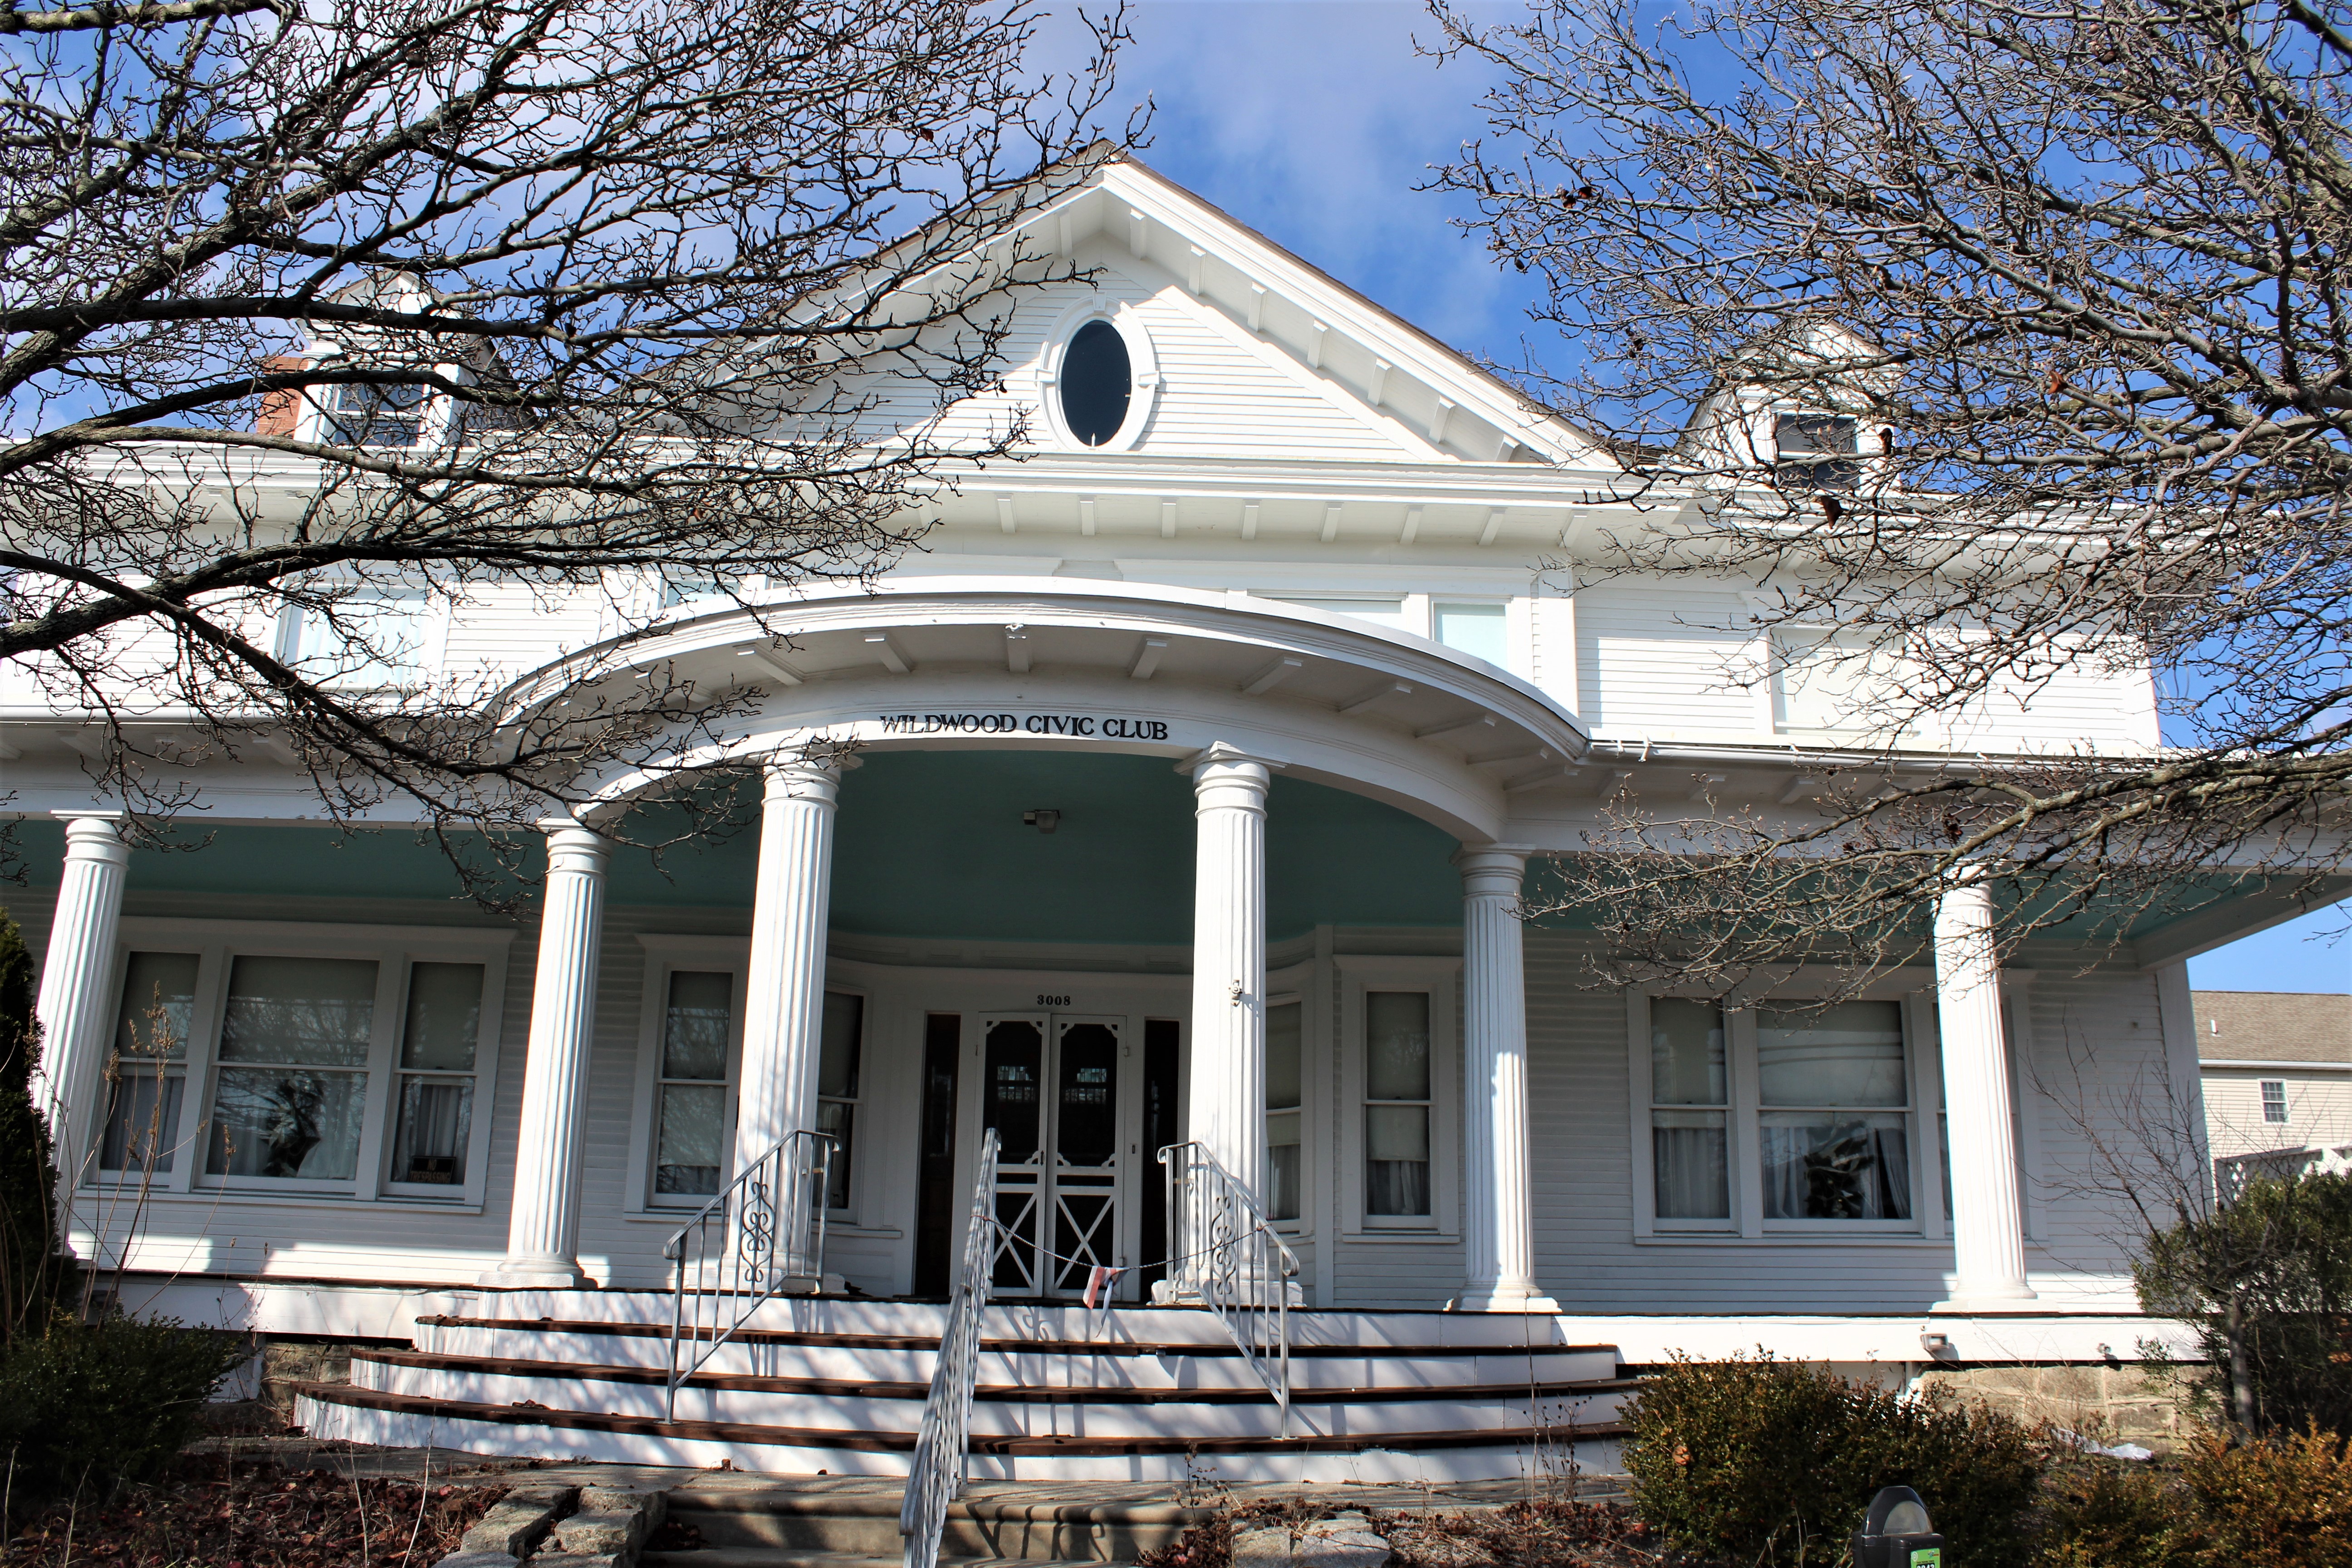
287, 1077
1830, 1169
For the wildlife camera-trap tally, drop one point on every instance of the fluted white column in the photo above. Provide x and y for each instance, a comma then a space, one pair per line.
74, 1003
1227, 1103
783, 1004
1497, 1214
544, 1226
1987, 1237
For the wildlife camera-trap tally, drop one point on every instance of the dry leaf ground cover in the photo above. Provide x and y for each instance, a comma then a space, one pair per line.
218, 1510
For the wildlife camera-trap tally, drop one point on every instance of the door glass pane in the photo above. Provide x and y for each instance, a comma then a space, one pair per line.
1396, 1159
1282, 1166
1851, 1054
1283, 1054
1475, 629
1087, 1123
692, 1134
287, 1123
1396, 1042
445, 1017
694, 1032
159, 998
1686, 1052
836, 1070
314, 1011
142, 1119
1009, 1094
435, 1116
1822, 1165
1693, 1168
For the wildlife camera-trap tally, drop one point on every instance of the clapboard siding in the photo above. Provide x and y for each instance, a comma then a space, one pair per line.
2318, 1108
2096, 1047
1663, 660
1217, 398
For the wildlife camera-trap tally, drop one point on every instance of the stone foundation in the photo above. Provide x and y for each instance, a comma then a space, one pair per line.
2110, 1404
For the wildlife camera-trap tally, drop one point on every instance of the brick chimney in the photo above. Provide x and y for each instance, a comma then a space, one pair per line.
281, 411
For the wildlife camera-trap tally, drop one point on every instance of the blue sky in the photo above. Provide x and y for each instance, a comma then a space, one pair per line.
1312, 120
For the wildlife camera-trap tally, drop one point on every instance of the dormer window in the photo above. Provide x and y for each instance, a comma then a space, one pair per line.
375, 415
1815, 452
1098, 381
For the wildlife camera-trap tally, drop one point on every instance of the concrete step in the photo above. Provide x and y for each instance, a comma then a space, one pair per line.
1007, 1411
922, 1321
788, 1520
1062, 1363
361, 1414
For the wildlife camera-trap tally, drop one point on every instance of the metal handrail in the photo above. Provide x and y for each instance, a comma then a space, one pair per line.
1223, 1253
767, 1227
936, 1476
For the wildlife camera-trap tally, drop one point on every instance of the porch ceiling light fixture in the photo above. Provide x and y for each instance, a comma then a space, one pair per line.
1044, 819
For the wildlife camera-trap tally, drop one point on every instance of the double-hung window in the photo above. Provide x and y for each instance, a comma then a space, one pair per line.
837, 1086
692, 1089
147, 1076
1398, 1082
2274, 1100
301, 1060
694, 1047
1791, 1117
1834, 1134
1399, 1097
1285, 1113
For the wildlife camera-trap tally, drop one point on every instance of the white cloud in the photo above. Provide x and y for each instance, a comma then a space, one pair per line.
1312, 120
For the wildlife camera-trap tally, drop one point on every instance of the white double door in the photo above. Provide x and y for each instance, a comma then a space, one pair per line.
1060, 1090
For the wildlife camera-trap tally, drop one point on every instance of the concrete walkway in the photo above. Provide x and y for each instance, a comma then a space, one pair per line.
464, 1468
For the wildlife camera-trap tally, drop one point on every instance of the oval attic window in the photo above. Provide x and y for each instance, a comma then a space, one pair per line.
1096, 381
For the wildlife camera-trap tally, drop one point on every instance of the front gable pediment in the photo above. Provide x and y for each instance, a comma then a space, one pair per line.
1240, 350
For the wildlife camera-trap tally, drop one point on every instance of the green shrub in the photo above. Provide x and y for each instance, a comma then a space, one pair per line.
2266, 1282
1768, 1461
30, 1270
2283, 1502
2098, 1513
94, 1405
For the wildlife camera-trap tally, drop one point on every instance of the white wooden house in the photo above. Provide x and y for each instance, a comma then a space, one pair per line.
1198, 759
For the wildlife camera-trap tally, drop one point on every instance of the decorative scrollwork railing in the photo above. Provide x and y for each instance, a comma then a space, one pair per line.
943, 1447
1222, 1254
765, 1230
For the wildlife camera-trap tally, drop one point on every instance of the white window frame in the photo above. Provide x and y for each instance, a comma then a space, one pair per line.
1297, 983
665, 955
2262, 1088
1441, 978
1513, 625
432, 655
732, 956
393, 949
1142, 364
1743, 1140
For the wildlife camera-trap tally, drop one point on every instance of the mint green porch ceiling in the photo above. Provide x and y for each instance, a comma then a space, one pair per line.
931, 844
